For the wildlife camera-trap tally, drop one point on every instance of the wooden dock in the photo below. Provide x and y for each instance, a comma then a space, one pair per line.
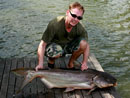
10, 83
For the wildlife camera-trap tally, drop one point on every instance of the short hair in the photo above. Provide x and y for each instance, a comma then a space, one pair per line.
76, 5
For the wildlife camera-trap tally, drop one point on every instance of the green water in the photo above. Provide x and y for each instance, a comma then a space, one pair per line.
22, 23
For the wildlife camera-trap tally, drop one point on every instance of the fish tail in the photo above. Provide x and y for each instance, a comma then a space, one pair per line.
21, 71
28, 77
25, 82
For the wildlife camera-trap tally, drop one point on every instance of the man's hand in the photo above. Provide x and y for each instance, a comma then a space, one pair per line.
84, 66
39, 67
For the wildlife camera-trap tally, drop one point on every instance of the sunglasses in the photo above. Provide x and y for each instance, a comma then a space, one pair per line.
75, 16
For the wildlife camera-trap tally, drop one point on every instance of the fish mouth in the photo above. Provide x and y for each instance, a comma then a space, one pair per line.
115, 84
108, 85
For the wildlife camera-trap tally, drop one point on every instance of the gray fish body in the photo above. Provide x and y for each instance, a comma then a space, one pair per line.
64, 78
72, 79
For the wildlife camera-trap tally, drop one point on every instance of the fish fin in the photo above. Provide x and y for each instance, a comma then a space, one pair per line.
69, 89
28, 78
25, 82
21, 71
89, 92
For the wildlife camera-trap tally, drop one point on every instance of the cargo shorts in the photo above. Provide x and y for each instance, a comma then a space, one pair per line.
52, 50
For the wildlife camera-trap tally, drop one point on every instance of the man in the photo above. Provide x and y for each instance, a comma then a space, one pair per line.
65, 35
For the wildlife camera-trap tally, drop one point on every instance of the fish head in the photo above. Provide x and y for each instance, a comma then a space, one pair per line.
104, 80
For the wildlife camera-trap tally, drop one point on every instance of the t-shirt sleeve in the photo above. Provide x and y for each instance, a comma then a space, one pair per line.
49, 33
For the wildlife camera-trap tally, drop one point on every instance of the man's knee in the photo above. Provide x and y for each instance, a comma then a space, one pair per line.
83, 44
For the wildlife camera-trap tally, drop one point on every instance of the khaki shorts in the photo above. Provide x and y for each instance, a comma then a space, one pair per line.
53, 49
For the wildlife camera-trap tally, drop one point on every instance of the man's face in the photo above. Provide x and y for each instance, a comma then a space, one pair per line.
74, 16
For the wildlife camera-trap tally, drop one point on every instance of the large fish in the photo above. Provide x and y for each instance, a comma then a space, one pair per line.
69, 79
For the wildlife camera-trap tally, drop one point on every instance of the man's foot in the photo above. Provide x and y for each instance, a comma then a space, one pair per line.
70, 64
51, 65
51, 62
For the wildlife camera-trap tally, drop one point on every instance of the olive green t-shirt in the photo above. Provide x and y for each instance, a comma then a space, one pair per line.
57, 33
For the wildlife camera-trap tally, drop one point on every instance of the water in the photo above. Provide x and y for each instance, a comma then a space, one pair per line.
22, 23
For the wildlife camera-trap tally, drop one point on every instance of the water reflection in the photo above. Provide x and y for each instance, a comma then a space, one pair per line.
107, 22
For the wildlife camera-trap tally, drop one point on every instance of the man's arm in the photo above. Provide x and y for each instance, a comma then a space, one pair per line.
41, 52
85, 58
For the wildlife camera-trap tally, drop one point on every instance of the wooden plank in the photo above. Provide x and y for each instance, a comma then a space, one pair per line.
66, 60
71, 94
34, 82
96, 64
62, 62
2, 68
41, 89
78, 94
26, 62
45, 62
57, 93
96, 94
85, 95
65, 95
114, 93
57, 65
19, 80
11, 91
26, 90
89, 63
92, 61
49, 93
4, 86
105, 93
31, 90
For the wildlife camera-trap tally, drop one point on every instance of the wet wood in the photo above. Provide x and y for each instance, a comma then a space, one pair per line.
9, 83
